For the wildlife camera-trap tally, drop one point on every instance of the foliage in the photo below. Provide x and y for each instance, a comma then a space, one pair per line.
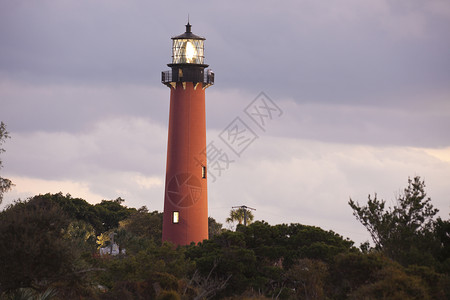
224, 256
239, 216
436, 284
46, 245
392, 283
102, 217
33, 251
442, 236
256, 256
405, 231
154, 259
52, 244
214, 228
144, 224
156, 286
293, 241
29, 294
81, 234
111, 212
307, 278
349, 271
147, 275
5, 184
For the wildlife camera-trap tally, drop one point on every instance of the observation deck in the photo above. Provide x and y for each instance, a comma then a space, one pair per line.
189, 74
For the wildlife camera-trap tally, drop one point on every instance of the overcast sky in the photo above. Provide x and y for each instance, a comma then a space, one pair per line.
362, 90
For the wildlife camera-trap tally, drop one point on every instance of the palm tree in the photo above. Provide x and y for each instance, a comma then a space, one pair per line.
239, 216
29, 293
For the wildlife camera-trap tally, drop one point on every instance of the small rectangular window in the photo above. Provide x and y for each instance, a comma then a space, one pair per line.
203, 172
175, 217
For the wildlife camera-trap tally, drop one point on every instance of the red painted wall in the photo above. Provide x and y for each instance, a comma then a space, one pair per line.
186, 190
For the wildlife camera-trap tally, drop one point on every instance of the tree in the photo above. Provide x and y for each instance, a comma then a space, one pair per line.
214, 227
405, 231
442, 233
81, 234
143, 223
239, 216
392, 283
78, 209
111, 212
102, 216
29, 293
225, 258
5, 184
33, 251
307, 278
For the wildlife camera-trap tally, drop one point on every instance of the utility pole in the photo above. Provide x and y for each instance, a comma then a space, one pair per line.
111, 239
244, 207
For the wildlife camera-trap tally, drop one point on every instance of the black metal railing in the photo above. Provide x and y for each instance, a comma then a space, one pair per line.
209, 77
166, 76
188, 75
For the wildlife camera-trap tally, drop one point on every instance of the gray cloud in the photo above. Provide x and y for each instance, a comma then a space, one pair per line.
294, 180
363, 86
112, 145
307, 50
75, 108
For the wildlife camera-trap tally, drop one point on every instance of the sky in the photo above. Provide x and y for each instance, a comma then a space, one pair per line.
360, 92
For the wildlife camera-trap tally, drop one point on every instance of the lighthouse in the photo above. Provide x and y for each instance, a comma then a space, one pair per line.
185, 217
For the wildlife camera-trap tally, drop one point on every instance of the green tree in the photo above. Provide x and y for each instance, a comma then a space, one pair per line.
5, 184
239, 216
33, 251
30, 294
143, 223
81, 234
141, 230
392, 283
43, 246
146, 265
293, 241
442, 233
257, 258
78, 209
405, 231
111, 212
307, 278
349, 271
103, 216
226, 259
214, 227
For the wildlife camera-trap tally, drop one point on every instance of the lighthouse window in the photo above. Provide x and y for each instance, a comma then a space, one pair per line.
187, 51
175, 217
203, 172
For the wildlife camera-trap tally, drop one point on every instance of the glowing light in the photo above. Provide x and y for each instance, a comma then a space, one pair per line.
191, 52
176, 217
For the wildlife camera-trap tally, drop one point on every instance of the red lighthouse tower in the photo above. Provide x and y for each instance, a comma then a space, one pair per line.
185, 201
